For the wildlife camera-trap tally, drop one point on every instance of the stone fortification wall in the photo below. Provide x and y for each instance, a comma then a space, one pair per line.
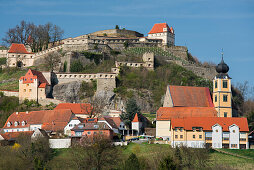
206, 72
178, 51
3, 53
10, 93
148, 63
117, 32
48, 101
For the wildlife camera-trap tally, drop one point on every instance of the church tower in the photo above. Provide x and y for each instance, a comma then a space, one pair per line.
222, 90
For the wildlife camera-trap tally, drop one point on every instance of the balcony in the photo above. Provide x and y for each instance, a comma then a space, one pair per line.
208, 138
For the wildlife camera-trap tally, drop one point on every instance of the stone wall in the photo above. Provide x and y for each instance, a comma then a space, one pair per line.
60, 143
118, 32
178, 51
10, 93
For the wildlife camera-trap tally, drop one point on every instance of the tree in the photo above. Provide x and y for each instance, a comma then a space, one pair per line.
117, 27
167, 163
65, 66
126, 44
132, 163
76, 66
96, 107
131, 109
250, 118
95, 152
52, 60
37, 37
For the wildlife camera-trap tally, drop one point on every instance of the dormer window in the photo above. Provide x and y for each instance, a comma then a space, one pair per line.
8, 124
23, 123
96, 126
16, 124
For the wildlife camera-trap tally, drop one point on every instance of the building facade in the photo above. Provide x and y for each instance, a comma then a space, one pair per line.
222, 94
215, 132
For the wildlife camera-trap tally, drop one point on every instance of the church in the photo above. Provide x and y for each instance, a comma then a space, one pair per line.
191, 117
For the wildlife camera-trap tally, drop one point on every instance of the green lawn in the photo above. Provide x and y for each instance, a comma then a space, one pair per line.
242, 152
231, 161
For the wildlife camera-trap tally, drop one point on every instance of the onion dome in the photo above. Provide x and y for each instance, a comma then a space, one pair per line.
222, 67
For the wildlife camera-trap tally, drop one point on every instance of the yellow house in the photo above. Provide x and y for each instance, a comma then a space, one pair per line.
215, 132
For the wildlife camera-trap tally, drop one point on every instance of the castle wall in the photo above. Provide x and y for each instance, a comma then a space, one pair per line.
10, 93
3, 53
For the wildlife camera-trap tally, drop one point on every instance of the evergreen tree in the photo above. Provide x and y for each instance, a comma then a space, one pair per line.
117, 27
131, 109
167, 163
132, 163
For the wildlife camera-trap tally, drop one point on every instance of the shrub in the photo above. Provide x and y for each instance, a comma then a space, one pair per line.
76, 66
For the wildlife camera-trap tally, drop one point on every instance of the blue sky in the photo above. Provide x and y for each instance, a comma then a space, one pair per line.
204, 26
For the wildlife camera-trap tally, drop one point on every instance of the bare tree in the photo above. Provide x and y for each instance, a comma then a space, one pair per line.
52, 60
96, 108
95, 152
37, 37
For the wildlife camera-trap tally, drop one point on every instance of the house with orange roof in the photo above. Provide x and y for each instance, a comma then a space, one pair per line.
163, 32
19, 56
215, 132
82, 110
48, 120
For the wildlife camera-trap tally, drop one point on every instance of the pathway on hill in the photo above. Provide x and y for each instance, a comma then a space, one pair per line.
233, 154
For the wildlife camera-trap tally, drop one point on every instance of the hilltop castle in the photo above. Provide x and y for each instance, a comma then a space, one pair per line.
114, 39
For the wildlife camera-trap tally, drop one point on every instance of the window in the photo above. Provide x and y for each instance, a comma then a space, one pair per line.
225, 84
175, 129
215, 98
94, 133
225, 114
96, 126
30, 90
233, 145
216, 84
70, 125
27, 84
225, 98
200, 136
233, 131
181, 136
181, 129
194, 136
176, 136
23, 123
16, 124
24, 90
88, 133
216, 130
8, 124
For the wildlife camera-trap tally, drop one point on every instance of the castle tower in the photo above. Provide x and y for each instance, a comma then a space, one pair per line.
222, 90
136, 124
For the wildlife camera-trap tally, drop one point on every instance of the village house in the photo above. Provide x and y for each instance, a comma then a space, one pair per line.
51, 121
92, 128
215, 132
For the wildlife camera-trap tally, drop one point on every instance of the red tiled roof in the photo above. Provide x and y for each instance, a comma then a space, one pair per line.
110, 122
135, 118
76, 108
50, 119
167, 113
33, 74
42, 85
18, 48
158, 28
90, 126
207, 122
14, 135
117, 120
188, 96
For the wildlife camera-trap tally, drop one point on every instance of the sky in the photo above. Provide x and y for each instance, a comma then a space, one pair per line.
204, 26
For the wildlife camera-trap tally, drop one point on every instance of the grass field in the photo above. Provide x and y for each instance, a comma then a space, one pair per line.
243, 152
11, 78
153, 152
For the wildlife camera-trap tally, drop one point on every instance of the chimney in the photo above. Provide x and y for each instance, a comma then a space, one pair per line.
17, 113
26, 112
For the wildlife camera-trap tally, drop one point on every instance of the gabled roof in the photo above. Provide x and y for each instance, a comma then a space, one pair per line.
158, 28
18, 48
33, 74
51, 120
207, 122
76, 108
117, 120
168, 113
109, 121
15, 135
91, 126
135, 118
188, 96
